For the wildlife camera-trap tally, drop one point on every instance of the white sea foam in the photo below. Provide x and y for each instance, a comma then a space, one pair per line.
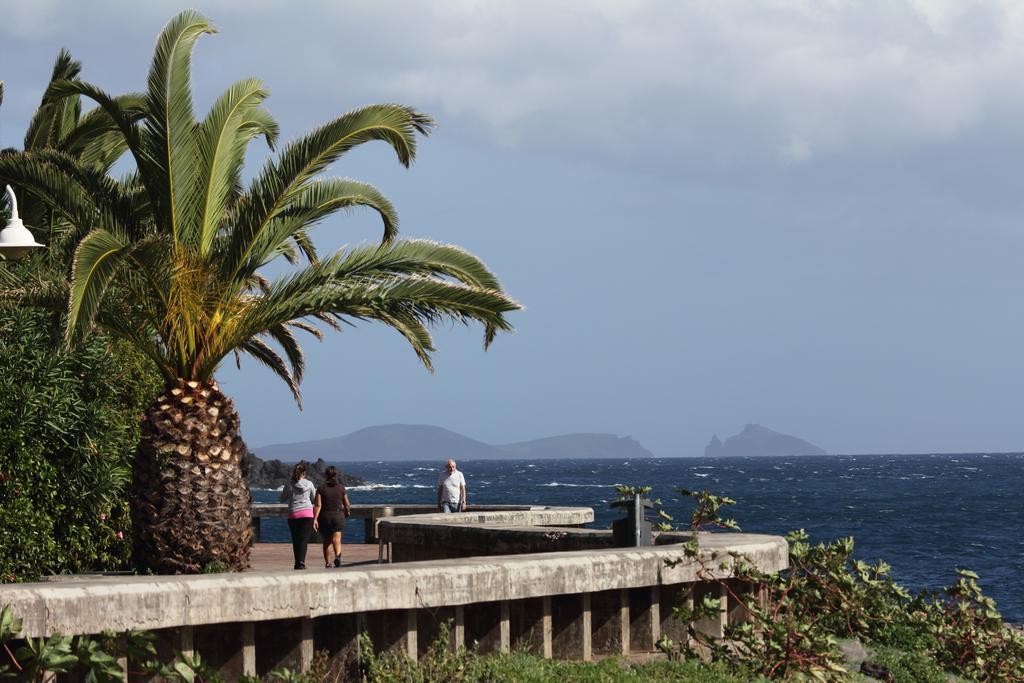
375, 487
580, 486
701, 474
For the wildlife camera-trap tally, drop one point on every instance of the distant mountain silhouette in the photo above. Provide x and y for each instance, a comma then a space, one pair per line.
427, 442
758, 440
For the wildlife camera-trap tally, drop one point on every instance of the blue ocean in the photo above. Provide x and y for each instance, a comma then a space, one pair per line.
926, 515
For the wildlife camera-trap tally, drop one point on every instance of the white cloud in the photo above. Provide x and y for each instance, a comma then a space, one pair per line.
789, 81
721, 85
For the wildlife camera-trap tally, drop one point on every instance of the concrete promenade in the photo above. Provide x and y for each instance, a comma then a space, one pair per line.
268, 557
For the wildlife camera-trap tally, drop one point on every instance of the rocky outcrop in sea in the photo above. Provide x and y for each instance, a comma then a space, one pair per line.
758, 440
272, 474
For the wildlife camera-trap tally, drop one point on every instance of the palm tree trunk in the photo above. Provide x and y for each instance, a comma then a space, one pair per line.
190, 500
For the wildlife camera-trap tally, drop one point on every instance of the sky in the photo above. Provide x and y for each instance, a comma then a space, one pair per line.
806, 214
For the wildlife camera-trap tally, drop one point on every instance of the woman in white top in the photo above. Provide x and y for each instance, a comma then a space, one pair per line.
299, 493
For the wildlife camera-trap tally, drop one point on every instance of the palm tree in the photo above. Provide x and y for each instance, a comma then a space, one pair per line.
170, 258
92, 139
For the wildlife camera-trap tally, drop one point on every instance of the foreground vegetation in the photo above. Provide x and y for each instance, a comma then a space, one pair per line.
69, 418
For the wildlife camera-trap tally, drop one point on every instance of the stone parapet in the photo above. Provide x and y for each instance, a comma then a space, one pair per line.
579, 599
157, 602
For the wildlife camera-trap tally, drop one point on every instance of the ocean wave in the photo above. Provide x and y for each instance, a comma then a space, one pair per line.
375, 487
581, 486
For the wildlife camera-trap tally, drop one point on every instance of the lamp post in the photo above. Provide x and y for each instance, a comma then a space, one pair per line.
15, 239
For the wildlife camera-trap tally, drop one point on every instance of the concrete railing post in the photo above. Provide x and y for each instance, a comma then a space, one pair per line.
248, 649
505, 628
586, 629
186, 635
624, 621
306, 645
459, 632
411, 636
655, 614
546, 627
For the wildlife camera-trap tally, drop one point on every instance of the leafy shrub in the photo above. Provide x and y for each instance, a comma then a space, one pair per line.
910, 666
69, 425
465, 666
794, 623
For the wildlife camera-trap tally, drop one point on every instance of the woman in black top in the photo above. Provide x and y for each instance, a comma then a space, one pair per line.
330, 511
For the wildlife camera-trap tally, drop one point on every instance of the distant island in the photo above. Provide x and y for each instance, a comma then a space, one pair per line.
758, 440
428, 442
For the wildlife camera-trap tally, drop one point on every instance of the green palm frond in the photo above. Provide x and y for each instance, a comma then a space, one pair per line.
420, 257
414, 332
234, 120
96, 261
285, 338
31, 175
56, 115
259, 350
309, 328
172, 138
411, 301
97, 140
137, 330
304, 243
124, 113
282, 180
317, 201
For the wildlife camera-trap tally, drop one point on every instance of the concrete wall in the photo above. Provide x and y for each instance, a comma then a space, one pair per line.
570, 603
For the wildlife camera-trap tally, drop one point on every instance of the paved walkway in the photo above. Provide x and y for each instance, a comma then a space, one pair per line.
269, 556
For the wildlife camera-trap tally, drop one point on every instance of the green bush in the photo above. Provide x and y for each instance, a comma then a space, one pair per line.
69, 426
521, 667
910, 667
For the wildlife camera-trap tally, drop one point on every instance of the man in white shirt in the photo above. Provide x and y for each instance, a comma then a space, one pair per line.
451, 489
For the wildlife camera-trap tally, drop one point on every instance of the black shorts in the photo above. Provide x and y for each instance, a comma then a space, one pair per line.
331, 523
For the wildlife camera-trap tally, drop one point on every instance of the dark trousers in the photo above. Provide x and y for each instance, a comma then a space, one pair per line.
301, 530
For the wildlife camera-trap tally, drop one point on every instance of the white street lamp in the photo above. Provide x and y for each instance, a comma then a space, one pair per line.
15, 239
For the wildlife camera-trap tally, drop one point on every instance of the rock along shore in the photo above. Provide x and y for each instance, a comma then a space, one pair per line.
272, 474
